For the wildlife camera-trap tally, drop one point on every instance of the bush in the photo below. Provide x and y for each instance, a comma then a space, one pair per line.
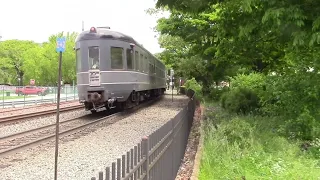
253, 81
304, 127
216, 93
195, 86
289, 94
240, 100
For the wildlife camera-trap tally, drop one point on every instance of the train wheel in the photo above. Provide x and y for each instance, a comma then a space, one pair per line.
93, 111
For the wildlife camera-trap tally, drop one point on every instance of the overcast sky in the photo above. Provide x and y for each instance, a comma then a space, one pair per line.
37, 19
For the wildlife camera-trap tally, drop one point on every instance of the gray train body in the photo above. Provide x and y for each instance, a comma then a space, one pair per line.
113, 70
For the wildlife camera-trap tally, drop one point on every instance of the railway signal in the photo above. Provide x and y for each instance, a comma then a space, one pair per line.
61, 46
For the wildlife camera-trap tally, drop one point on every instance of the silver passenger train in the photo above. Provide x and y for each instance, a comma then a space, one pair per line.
114, 71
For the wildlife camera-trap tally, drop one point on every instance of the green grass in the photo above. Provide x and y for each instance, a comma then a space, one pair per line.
4, 96
13, 97
250, 147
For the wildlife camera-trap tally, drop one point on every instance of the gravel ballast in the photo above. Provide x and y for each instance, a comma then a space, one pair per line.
32, 123
35, 108
83, 158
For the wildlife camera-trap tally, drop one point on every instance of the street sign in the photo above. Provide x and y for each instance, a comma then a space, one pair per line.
61, 44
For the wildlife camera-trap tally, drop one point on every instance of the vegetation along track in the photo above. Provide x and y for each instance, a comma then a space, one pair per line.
7, 119
15, 142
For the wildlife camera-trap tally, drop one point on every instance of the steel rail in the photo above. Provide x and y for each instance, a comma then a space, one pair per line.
10, 136
37, 114
75, 129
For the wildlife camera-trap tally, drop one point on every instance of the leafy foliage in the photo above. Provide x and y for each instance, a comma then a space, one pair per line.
269, 50
195, 86
241, 100
28, 60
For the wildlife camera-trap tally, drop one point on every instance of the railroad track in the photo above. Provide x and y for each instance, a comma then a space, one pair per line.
15, 142
37, 114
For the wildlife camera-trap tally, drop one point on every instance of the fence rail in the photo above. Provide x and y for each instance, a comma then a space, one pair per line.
37, 101
12, 96
158, 156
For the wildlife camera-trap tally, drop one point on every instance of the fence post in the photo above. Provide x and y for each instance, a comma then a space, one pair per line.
119, 168
113, 171
107, 173
24, 96
55, 95
74, 93
3, 96
145, 153
100, 175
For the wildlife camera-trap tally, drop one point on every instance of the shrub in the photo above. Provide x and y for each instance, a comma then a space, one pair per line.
240, 100
253, 81
303, 127
195, 86
216, 93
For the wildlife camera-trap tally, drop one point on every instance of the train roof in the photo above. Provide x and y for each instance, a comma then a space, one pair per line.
104, 33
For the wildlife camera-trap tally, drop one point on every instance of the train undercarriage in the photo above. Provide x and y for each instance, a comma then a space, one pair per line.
96, 100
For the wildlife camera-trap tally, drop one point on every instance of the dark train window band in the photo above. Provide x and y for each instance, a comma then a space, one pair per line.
94, 57
116, 57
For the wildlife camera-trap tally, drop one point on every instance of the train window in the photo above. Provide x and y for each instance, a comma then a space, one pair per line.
137, 60
141, 63
94, 57
116, 58
149, 68
146, 63
129, 59
78, 59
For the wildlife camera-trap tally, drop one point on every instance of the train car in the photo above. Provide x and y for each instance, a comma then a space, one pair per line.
114, 71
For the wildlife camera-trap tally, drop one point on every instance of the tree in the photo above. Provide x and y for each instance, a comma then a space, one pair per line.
274, 36
12, 56
68, 61
28, 60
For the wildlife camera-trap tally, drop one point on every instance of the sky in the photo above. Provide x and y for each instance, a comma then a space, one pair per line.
38, 19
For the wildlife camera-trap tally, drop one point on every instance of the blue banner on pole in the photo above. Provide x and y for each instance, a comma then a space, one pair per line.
61, 44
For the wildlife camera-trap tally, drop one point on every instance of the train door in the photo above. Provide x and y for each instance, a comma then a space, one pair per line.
94, 65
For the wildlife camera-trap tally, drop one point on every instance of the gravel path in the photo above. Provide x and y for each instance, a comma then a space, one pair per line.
36, 108
86, 156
